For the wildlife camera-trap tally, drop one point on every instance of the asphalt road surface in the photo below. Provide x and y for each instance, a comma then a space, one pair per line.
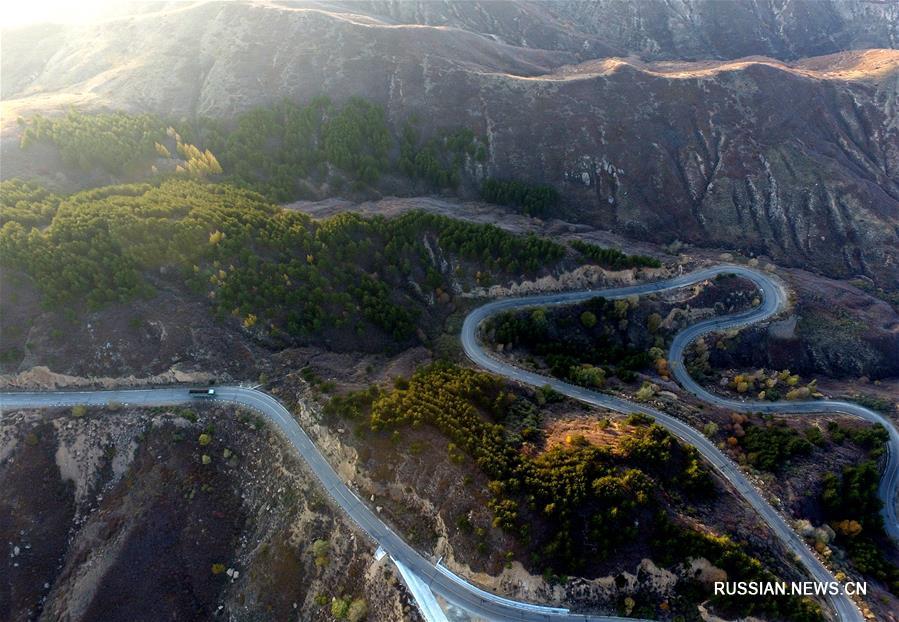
773, 298
456, 590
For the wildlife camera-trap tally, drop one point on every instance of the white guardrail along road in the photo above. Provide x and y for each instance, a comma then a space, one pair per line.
455, 589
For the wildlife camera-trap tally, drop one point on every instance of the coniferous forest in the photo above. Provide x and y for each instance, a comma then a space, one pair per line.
206, 220
279, 271
573, 504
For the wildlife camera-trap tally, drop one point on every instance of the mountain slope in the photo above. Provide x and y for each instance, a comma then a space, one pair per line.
796, 160
681, 29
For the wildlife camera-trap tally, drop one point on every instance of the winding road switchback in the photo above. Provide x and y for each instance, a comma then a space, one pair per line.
773, 299
455, 589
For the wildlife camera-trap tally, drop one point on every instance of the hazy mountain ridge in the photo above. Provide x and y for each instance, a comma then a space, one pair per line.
679, 29
799, 160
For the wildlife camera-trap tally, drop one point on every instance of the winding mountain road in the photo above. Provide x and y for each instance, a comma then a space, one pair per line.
773, 299
436, 576
440, 580
888, 490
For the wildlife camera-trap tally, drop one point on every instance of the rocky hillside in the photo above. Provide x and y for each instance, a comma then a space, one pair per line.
190, 515
797, 159
834, 330
651, 29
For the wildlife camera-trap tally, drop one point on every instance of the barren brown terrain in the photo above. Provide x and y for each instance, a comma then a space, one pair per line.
117, 516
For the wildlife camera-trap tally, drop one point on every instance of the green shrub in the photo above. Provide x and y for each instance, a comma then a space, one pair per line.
321, 549
588, 319
339, 608
771, 446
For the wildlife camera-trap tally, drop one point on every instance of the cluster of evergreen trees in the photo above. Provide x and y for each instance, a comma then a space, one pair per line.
613, 258
356, 139
269, 149
285, 275
28, 204
583, 343
274, 150
277, 150
116, 142
770, 447
852, 506
576, 501
532, 199
439, 160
